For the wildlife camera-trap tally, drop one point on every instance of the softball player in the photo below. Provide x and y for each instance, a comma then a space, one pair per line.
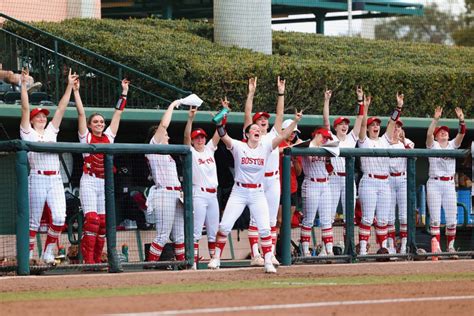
316, 195
374, 187
337, 180
250, 162
164, 197
44, 182
271, 183
92, 191
205, 204
398, 186
441, 191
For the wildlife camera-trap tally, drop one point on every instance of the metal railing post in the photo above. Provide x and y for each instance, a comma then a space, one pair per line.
188, 209
23, 214
349, 248
111, 232
285, 236
411, 204
57, 70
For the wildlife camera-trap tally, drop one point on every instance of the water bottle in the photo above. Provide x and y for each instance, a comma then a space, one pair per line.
125, 252
220, 116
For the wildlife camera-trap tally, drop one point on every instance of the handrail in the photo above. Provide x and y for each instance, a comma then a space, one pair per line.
95, 55
380, 152
95, 70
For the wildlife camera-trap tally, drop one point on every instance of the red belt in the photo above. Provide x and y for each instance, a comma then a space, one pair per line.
443, 178
319, 179
249, 185
397, 174
47, 172
209, 190
341, 174
269, 174
378, 176
173, 188
95, 175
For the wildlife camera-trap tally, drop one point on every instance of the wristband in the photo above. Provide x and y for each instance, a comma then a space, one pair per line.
221, 130
360, 108
122, 101
124, 95
462, 128
281, 94
396, 114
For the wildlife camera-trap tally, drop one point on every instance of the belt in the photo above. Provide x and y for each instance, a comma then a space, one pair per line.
47, 172
95, 175
319, 179
249, 185
209, 190
397, 174
378, 176
341, 174
173, 188
269, 174
443, 178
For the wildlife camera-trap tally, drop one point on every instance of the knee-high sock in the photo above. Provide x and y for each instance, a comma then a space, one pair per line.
221, 240
274, 238
155, 251
53, 236
381, 235
253, 241
179, 251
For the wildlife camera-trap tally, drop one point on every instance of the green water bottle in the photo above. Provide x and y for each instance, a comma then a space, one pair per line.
125, 252
220, 116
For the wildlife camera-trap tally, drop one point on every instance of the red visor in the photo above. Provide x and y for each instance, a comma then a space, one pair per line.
37, 111
399, 123
198, 132
258, 115
339, 120
373, 119
324, 132
439, 129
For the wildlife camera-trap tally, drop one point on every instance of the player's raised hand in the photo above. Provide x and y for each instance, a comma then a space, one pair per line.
400, 97
252, 85
327, 95
438, 112
367, 101
360, 94
192, 113
71, 77
298, 115
459, 113
280, 85
77, 84
225, 103
125, 83
401, 136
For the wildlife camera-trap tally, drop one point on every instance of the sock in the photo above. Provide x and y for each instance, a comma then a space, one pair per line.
179, 251
155, 252
253, 241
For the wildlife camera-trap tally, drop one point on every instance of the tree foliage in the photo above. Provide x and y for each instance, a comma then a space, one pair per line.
465, 35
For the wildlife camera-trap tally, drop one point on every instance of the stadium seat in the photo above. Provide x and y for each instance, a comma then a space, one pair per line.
11, 97
39, 97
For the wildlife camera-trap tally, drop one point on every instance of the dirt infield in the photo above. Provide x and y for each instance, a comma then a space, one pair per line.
441, 287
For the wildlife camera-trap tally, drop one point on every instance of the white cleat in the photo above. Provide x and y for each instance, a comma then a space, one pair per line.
275, 262
257, 261
306, 254
392, 250
269, 268
214, 264
454, 257
48, 258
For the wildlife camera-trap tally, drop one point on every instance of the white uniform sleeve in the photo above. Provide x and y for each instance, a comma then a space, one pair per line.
210, 145
409, 143
364, 143
25, 134
52, 129
268, 144
83, 138
353, 136
433, 145
110, 135
234, 144
452, 142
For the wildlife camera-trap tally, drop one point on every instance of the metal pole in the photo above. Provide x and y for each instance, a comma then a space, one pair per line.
349, 17
349, 248
111, 232
411, 204
23, 214
188, 209
285, 236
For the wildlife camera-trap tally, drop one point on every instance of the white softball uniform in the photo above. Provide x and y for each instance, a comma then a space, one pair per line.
337, 180
271, 182
440, 188
249, 166
44, 182
374, 187
316, 192
164, 198
398, 184
205, 204
92, 190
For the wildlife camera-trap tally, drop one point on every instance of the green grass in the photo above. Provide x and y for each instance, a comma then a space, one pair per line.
269, 283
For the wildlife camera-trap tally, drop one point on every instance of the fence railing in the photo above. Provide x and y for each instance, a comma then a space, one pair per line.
49, 58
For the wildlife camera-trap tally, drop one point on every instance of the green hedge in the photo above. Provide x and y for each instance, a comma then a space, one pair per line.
182, 53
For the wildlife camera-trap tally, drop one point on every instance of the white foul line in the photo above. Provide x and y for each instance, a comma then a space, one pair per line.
301, 305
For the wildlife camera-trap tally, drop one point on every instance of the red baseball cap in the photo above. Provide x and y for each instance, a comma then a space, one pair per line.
258, 115
198, 132
37, 111
440, 128
324, 132
339, 120
373, 119
399, 122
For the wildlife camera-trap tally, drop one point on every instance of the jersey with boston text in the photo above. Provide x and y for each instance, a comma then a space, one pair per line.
314, 166
204, 166
249, 163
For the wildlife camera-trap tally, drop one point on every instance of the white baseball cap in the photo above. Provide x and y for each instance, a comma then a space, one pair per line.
287, 123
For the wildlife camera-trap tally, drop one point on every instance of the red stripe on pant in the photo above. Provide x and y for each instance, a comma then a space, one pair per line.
155, 252
266, 244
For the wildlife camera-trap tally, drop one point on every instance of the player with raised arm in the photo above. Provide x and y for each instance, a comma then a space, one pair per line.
374, 187
205, 204
271, 183
337, 176
250, 164
398, 187
440, 188
45, 184
92, 191
164, 196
